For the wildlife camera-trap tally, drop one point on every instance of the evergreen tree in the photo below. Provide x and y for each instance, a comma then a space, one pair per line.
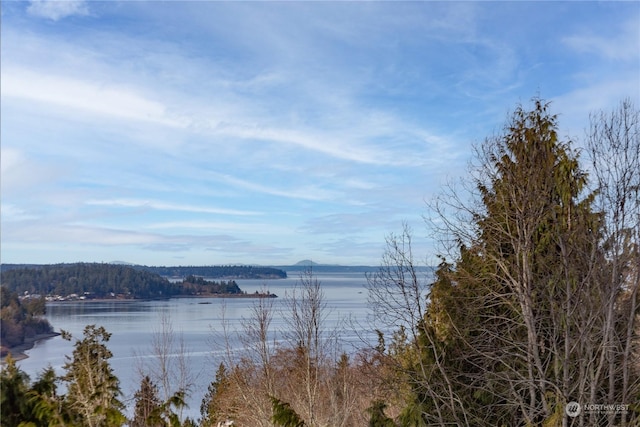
210, 408
378, 417
506, 306
92, 388
46, 406
25, 405
147, 405
14, 385
284, 415
523, 320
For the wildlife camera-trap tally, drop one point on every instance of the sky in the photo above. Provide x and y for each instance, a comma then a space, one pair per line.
212, 132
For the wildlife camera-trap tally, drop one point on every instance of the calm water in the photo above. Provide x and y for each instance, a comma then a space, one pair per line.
200, 323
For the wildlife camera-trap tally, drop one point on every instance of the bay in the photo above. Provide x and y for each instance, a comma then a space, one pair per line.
200, 324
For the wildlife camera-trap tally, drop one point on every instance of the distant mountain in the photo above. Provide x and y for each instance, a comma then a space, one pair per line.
334, 268
305, 263
327, 268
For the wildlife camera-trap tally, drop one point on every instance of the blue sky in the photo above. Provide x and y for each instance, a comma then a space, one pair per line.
183, 133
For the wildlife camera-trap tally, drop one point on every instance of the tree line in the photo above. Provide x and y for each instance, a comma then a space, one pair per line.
93, 280
531, 313
193, 285
98, 280
218, 271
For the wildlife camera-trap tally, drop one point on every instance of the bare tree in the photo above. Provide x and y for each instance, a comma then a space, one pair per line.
169, 364
531, 313
303, 375
246, 377
613, 144
399, 296
311, 340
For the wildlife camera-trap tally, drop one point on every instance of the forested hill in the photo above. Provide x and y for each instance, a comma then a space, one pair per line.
94, 280
218, 272
211, 272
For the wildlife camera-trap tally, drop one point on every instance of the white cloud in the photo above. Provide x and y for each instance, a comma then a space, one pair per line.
10, 158
103, 99
57, 9
303, 125
158, 205
308, 141
252, 229
622, 46
305, 193
84, 96
12, 213
92, 238
21, 174
575, 106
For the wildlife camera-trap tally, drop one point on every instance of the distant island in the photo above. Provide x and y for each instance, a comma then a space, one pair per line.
217, 272
90, 281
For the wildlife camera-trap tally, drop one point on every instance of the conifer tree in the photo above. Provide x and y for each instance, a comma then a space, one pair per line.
147, 405
14, 385
211, 406
284, 415
524, 317
93, 391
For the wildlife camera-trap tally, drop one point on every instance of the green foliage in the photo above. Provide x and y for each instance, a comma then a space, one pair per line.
284, 415
147, 405
149, 411
92, 398
378, 417
22, 405
13, 394
210, 408
504, 324
90, 280
218, 272
92, 388
193, 285
96, 280
46, 406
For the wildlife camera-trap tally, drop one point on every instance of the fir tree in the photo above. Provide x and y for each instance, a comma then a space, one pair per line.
93, 390
147, 405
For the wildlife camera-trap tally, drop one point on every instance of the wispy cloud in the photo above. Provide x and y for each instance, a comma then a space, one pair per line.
23, 173
253, 131
57, 9
287, 191
623, 45
159, 205
83, 96
96, 237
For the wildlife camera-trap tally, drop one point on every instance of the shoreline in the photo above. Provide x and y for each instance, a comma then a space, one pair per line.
90, 300
18, 352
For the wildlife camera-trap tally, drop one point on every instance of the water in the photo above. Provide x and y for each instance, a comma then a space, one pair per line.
199, 321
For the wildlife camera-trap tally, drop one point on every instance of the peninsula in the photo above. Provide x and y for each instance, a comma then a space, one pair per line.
94, 281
